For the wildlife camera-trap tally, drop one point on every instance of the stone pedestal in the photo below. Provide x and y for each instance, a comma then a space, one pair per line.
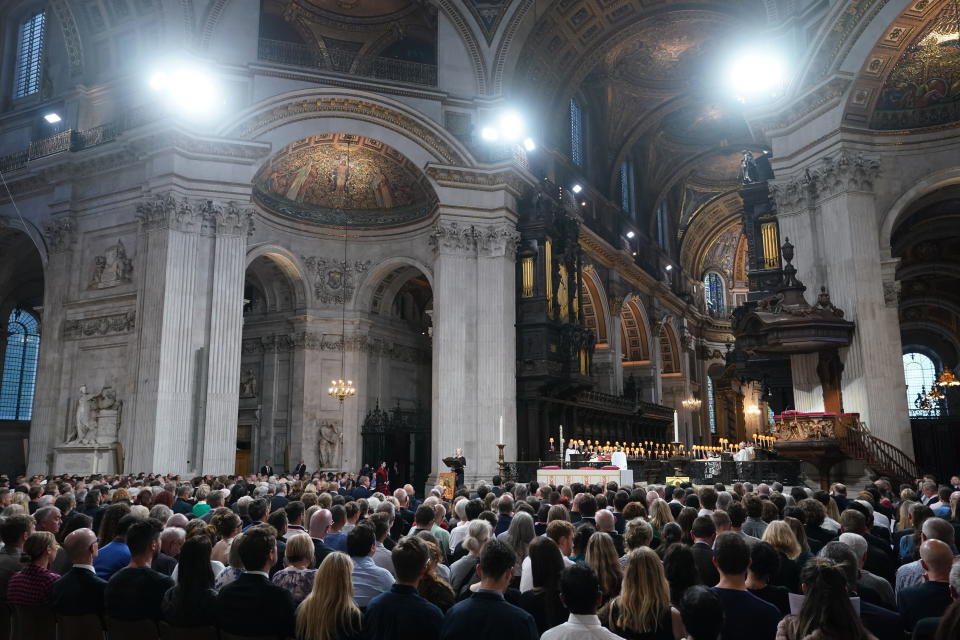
85, 459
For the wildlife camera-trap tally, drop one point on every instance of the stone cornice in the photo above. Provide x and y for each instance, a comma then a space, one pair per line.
824, 178
97, 327
511, 178
313, 341
483, 240
207, 217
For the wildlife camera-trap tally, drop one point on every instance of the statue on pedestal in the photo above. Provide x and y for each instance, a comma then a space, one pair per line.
329, 439
112, 268
97, 418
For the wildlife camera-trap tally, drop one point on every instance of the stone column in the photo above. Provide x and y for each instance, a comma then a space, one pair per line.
840, 235
52, 415
616, 347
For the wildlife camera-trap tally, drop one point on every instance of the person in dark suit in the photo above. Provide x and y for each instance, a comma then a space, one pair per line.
389, 614
362, 490
266, 469
183, 504
135, 592
279, 500
486, 614
607, 524
932, 597
704, 532
458, 454
251, 605
880, 558
80, 590
318, 528
882, 623
300, 470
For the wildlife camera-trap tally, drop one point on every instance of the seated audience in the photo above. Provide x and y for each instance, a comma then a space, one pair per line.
434, 588
31, 586
701, 612
642, 610
486, 614
704, 532
580, 594
826, 612
463, 571
518, 536
780, 536
297, 577
746, 617
911, 574
764, 565
369, 580
329, 612
602, 558
543, 600
931, 597
114, 553
871, 587
637, 533
80, 591
562, 533
14, 532
681, 571
227, 526
251, 605
192, 602
946, 627
389, 614
135, 592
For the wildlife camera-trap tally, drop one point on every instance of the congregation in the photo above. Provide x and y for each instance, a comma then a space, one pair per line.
328, 557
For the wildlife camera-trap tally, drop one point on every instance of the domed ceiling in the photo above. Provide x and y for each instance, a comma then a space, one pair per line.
321, 178
360, 8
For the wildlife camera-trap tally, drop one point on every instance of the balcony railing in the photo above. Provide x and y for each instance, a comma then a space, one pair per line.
343, 61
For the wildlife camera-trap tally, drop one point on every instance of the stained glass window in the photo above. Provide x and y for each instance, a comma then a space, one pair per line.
26, 79
711, 409
920, 375
713, 293
662, 230
626, 187
19, 367
576, 133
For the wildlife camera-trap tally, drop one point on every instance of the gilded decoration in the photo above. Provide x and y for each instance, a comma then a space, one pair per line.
804, 428
923, 89
339, 178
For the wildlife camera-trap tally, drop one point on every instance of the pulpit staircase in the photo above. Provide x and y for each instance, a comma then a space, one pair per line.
878, 455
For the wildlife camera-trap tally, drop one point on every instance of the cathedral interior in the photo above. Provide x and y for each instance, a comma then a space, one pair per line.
353, 231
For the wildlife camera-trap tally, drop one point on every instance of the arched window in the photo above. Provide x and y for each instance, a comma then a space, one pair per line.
663, 232
711, 408
576, 133
26, 76
713, 293
920, 375
627, 199
19, 367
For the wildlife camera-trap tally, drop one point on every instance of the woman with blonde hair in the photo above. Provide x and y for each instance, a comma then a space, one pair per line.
602, 557
329, 612
297, 577
660, 515
781, 537
227, 524
642, 611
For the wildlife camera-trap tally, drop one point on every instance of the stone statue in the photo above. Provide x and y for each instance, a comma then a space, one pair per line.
248, 384
112, 268
329, 439
749, 172
97, 418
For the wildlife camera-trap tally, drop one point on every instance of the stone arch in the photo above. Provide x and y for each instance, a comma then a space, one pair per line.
30, 229
669, 350
385, 279
505, 51
903, 204
595, 309
470, 41
288, 264
634, 332
283, 119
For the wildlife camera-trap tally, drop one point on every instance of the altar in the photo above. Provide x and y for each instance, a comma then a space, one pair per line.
566, 477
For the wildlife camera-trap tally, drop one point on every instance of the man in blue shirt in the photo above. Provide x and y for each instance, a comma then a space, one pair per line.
369, 580
392, 615
746, 617
486, 614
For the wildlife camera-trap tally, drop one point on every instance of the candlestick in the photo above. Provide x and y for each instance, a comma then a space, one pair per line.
501, 429
676, 427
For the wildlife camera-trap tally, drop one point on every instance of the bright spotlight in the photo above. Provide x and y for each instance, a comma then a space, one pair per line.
576, 188
489, 134
630, 235
188, 89
757, 74
511, 125
529, 144
52, 118
669, 267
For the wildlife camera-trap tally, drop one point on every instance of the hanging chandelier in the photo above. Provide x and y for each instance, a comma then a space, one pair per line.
691, 403
947, 379
342, 389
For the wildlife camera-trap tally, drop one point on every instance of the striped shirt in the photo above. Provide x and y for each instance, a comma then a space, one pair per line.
31, 586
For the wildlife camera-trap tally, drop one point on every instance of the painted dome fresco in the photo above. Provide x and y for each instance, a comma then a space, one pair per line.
321, 178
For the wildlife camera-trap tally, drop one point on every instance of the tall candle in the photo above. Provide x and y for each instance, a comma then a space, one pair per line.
676, 427
501, 429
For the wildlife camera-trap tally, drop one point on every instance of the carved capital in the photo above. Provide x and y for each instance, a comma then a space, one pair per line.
615, 303
451, 237
208, 217
498, 240
829, 176
489, 241
60, 234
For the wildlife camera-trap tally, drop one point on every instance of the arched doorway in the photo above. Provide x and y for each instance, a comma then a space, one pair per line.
21, 304
397, 427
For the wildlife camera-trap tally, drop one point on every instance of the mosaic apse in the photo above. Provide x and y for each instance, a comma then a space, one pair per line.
336, 178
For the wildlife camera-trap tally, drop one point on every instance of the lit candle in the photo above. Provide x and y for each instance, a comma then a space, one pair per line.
676, 427
501, 429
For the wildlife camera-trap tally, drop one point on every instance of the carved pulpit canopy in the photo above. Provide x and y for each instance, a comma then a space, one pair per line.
786, 323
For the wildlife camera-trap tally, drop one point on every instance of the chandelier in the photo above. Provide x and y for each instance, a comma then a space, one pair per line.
947, 379
342, 389
691, 403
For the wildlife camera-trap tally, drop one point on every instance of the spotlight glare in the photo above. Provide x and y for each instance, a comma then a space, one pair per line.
52, 118
529, 144
489, 134
576, 188
158, 81
511, 125
669, 267
630, 235
189, 90
756, 74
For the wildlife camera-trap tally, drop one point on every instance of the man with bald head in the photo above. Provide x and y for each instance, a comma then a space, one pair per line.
320, 523
911, 574
80, 590
607, 523
932, 597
